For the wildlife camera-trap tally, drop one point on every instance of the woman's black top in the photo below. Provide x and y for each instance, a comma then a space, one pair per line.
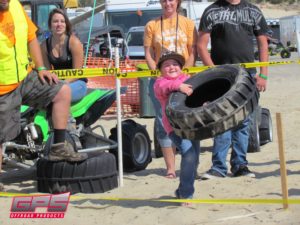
65, 60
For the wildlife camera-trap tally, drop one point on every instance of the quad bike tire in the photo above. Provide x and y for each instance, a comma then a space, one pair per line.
136, 146
254, 135
222, 98
265, 127
157, 149
285, 54
96, 174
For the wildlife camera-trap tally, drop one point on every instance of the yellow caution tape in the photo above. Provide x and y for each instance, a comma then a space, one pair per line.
97, 72
274, 63
84, 73
198, 201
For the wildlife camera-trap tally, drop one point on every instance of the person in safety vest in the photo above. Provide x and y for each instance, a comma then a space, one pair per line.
19, 84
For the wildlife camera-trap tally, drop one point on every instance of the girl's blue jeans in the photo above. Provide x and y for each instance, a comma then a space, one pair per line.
189, 151
162, 136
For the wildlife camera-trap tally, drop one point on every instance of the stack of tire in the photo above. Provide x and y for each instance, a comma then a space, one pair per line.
260, 129
96, 174
223, 97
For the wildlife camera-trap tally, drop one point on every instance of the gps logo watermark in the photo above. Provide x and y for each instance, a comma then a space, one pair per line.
25, 207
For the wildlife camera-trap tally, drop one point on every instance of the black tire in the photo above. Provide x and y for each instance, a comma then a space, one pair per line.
136, 146
254, 138
231, 94
285, 54
157, 148
96, 174
266, 127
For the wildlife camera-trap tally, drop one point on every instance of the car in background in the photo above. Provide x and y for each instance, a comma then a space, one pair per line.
135, 43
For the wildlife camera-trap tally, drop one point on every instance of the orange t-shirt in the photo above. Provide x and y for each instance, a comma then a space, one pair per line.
169, 37
7, 28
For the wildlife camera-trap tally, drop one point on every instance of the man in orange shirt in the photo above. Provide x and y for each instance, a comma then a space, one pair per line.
21, 85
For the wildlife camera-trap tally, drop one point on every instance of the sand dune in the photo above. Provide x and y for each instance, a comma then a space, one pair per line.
277, 11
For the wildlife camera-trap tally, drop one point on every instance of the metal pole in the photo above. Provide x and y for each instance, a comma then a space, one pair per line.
298, 38
119, 119
89, 37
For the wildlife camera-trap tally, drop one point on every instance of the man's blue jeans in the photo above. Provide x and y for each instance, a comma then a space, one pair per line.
238, 138
189, 151
78, 90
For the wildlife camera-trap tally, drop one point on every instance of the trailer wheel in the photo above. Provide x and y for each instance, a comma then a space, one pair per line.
136, 146
230, 95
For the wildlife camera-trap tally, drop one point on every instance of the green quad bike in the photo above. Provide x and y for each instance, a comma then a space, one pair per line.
36, 135
277, 49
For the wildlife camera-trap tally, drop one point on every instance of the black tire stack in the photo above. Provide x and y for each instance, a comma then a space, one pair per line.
96, 174
222, 98
260, 129
265, 127
254, 137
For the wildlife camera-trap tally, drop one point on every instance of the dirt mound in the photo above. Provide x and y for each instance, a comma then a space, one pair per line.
279, 10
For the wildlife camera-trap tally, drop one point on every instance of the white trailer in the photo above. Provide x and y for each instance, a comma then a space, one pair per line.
290, 32
194, 10
138, 12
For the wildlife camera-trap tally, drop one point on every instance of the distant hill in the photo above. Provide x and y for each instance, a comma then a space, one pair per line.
279, 10
270, 8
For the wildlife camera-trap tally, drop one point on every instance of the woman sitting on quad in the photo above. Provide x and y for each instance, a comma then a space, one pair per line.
63, 50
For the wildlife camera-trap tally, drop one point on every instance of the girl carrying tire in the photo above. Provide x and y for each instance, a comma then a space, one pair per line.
172, 78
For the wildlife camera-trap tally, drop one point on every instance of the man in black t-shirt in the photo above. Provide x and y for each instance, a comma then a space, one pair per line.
231, 25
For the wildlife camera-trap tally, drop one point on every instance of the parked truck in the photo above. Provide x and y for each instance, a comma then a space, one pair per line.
290, 32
